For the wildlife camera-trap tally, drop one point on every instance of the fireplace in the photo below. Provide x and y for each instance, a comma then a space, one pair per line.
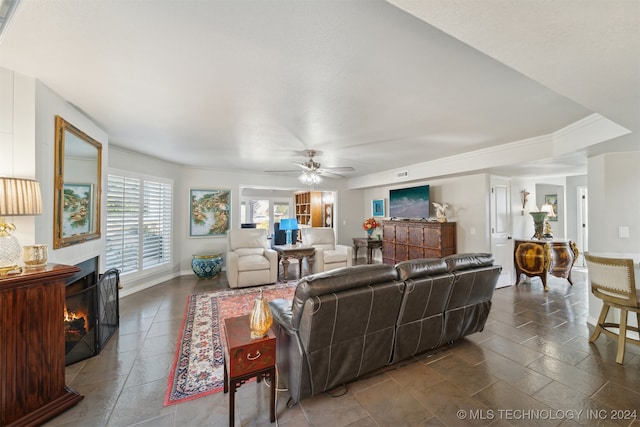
91, 312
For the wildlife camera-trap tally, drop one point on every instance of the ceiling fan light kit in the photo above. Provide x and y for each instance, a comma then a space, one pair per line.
310, 178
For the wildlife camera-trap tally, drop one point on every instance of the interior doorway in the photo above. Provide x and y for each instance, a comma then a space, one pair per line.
501, 240
583, 225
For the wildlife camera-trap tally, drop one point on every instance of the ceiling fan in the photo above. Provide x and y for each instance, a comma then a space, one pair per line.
312, 170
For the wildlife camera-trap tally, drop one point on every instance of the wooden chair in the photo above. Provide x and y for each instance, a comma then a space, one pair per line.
613, 281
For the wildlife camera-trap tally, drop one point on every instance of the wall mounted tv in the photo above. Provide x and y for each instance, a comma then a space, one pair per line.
412, 202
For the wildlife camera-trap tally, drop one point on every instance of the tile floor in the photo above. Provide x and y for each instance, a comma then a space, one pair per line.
532, 365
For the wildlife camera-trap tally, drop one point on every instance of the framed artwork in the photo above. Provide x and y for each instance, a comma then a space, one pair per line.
552, 199
209, 213
377, 207
77, 211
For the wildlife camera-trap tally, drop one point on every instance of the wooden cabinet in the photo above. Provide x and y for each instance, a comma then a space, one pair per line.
403, 240
309, 208
32, 386
537, 258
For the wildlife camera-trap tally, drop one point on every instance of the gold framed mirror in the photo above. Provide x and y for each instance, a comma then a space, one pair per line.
77, 186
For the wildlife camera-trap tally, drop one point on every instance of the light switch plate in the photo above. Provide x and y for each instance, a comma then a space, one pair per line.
623, 232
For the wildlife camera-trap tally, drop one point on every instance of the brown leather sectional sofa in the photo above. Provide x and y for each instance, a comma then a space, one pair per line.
345, 323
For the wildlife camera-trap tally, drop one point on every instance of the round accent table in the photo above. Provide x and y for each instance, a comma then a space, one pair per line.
206, 265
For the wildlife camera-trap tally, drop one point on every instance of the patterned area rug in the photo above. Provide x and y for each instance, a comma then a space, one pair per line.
198, 367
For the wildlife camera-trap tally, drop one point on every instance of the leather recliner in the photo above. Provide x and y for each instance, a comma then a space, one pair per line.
328, 255
250, 261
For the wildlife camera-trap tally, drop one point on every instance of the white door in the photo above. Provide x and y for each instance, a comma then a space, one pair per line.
501, 242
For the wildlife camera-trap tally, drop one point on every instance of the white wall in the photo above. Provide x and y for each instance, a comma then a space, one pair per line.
17, 140
522, 222
614, 201
468, 200
27, 127
48, 105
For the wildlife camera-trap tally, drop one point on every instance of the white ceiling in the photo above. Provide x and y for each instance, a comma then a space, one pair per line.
249, 85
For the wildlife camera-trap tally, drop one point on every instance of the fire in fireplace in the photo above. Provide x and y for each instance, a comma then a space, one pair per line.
76, 324
91, 313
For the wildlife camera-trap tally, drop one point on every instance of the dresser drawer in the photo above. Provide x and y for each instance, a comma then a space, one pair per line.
253, 357
244, 355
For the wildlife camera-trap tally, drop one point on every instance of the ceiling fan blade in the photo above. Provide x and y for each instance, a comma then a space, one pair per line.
328, 174
340, 169
302, 165
284, 171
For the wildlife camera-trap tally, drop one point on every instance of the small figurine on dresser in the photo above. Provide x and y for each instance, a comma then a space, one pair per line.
441, 214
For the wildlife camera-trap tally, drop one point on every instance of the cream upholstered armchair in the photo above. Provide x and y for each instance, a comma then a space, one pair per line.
250, 261
328, 255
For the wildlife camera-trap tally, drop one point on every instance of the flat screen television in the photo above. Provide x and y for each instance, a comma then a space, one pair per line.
412, 202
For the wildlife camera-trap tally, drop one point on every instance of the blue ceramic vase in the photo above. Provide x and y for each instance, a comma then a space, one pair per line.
206, 266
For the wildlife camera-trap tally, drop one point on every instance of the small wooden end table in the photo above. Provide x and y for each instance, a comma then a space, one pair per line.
299, 252
370, 244
245, 358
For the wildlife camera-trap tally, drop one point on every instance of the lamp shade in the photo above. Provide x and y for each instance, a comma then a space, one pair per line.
548, 209
288, 224
19, 197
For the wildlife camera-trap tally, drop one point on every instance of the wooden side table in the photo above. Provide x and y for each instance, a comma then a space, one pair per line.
370, 244
245, 358
298, 252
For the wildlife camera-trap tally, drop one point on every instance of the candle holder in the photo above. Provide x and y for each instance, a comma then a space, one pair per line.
34, 256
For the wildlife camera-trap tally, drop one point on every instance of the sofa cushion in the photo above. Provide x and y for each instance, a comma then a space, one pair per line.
333, 256
338, 280
325, 247
253, 262
414, 268
319, 237
460, 262
249, 251
248, 238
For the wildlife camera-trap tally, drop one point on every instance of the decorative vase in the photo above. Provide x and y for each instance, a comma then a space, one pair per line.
369, 233
260, 319
538, 224
206, 266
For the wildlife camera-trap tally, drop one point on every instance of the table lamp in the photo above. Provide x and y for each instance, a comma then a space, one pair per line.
288, 225
548, 208
18, 197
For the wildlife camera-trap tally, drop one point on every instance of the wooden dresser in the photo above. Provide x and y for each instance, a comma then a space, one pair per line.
32, 386
537, 258
403, 240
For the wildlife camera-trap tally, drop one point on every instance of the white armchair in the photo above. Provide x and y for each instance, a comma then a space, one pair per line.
250, 261
328, 255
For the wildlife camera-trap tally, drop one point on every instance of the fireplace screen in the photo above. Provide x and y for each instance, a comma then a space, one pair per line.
91, 314
108, 306
80, 325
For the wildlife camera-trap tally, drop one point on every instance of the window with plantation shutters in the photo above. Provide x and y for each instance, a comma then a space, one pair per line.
138, 234
156, 224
